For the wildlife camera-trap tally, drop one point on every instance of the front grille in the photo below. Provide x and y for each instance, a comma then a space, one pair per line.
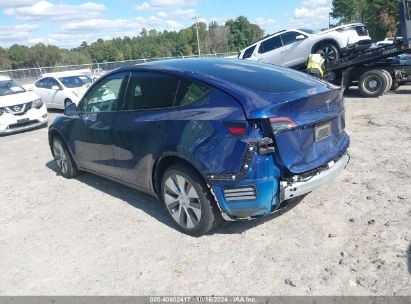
239, 194
361, 30
19, 109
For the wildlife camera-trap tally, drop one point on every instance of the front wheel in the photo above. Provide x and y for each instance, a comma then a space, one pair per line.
189, 201
329, 52
63, 159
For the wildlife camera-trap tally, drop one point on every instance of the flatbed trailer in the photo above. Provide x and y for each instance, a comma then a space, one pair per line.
374, 73
371, 69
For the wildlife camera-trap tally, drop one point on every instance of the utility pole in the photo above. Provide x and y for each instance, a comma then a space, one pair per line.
198, 39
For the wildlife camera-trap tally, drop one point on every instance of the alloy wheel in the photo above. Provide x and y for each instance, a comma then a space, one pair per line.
182, 201
60, 156
329, 54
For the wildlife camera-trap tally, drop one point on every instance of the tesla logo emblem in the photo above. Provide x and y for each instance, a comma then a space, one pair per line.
16, 108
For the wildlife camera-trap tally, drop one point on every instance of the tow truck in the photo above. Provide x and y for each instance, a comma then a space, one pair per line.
372, 69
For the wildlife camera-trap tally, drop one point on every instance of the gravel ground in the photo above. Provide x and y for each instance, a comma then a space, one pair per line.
89, 236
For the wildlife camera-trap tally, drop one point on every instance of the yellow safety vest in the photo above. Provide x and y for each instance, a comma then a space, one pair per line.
316, 62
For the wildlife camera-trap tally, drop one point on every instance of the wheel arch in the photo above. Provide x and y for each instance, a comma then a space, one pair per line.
321, 42
164, 162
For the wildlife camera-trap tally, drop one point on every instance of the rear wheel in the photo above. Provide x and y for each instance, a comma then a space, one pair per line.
189, 201
329, 52
373, 83
63, 159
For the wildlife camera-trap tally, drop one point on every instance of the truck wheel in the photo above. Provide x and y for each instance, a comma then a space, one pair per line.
373, 83
390, 81
189, 201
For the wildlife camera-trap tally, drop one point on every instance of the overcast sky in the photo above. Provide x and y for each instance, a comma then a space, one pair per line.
66, 23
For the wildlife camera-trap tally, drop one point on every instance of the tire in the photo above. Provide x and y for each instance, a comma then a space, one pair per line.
390, 81
63, 159
329, 52
373, 83
189, 201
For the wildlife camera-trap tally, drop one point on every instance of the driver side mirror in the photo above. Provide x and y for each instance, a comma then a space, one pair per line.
71, 109
300, 37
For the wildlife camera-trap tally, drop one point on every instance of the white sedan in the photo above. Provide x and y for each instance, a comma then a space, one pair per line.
291, 48
19, 109
58, 90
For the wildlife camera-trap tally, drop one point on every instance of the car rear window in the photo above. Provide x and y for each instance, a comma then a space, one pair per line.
256, 76
249, 52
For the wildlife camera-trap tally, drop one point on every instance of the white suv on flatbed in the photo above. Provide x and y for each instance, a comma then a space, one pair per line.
291, 48
19, 109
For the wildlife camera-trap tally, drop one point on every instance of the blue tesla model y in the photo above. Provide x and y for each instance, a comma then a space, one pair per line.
210, 138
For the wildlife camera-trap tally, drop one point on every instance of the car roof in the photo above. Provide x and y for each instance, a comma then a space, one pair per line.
233, 73
67, 73
4, 78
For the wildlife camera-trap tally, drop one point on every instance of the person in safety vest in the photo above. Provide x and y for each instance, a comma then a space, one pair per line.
315, 65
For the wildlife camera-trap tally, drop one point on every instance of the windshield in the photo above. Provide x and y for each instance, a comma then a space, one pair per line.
309, 31
9, 87
75, 81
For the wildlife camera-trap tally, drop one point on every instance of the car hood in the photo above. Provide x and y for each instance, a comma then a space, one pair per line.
339, 27
17, 99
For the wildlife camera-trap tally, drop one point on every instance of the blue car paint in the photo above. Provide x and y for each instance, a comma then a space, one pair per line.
127, 145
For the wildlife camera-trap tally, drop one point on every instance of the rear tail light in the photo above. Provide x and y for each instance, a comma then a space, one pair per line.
279, 124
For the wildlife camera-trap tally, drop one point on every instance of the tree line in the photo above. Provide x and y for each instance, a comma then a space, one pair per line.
380, 16
234, 35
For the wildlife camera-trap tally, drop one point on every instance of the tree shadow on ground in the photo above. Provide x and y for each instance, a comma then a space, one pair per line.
151, 206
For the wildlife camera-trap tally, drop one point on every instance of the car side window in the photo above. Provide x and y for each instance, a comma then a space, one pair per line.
290, 37
270, 44
249, 52
42, 83
53, 82
189, 92
104, 95
148, 90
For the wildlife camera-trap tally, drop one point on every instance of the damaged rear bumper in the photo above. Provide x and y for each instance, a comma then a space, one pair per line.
298, 185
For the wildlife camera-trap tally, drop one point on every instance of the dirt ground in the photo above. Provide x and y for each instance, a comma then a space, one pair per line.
89, 236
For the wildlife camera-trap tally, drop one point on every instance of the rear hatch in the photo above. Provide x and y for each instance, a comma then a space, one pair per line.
309, 131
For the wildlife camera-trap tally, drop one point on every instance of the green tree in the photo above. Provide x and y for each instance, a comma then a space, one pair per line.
19, 56
242, 33
380, 16
5, 62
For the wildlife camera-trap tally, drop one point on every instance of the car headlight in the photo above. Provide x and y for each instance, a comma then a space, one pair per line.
38, 103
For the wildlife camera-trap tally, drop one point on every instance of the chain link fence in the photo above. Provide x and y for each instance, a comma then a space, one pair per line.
30, 75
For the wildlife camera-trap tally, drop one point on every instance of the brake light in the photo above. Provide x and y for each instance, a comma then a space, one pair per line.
236, 128
237, 131
279, 124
